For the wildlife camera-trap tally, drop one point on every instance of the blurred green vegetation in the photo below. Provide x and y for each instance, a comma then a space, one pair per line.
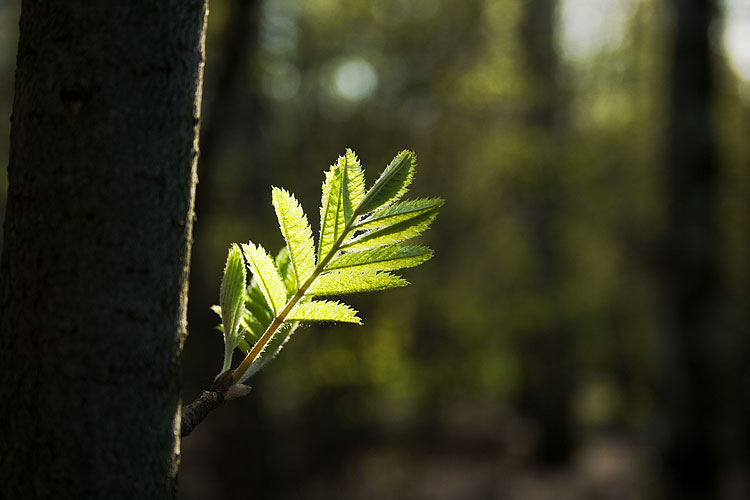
543, 287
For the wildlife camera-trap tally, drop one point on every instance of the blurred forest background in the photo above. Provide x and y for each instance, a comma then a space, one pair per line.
582, 331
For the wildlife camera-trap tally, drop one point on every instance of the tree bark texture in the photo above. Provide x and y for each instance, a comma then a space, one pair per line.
93, 284
689, 388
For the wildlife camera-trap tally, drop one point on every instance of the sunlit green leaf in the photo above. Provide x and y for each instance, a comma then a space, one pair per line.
381, 258
267, 276
400, 231
297, 233
360, 235
286, 271
398, 212
257, 305
324, 310
231, 294
343, 282
343, 190
331, 208
353, 185
392, 183
254, 328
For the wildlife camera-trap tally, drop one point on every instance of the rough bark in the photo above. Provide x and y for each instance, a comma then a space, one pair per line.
690, 332
97, 247
222, 390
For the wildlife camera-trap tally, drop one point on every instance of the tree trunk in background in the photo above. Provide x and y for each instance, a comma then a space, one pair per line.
238, 52
97, 247
689, 393
547, 383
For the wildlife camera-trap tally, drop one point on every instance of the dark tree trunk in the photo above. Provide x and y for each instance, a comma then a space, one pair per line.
238, 53
689, 270
97, 247
547, 384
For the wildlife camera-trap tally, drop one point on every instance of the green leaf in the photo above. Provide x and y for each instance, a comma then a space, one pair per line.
402, 230
231, 294
217, 309
360, 235
343, 282
324, 310
297, 233
381, 258
343, 191
256, 304
398, 212
286, 271
353, 185
392, 183
331, 208
254, 328
244, 346
266, 275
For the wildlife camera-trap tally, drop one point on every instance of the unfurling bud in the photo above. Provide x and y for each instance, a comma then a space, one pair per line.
237, 391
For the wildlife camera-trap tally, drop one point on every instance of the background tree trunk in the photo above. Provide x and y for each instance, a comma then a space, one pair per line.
547, 350
689, 394
97, 247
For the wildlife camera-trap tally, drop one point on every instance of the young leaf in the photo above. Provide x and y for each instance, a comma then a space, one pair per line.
403, 230
257, 305
398, 212
267, 276
231, 297
343, 282
232, 290
353, 185
324, 310
359, 240
286, 271
297, 233
253, 327
343, 191
381, 258
392, 183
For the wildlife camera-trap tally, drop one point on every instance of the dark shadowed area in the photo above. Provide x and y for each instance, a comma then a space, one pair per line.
582, 331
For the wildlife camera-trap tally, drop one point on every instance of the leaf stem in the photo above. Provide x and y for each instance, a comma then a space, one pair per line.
278, 320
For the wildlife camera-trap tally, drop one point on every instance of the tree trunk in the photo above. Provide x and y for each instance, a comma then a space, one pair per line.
547, 384
689, 267
94, 269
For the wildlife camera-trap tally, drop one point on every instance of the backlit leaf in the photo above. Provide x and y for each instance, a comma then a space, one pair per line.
343, 282
231, 294
400, 231
297, 233
392, 183
398, 212
267, 276
324, 310
381, 258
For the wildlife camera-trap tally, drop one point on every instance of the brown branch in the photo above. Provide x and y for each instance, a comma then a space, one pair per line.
223, 389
